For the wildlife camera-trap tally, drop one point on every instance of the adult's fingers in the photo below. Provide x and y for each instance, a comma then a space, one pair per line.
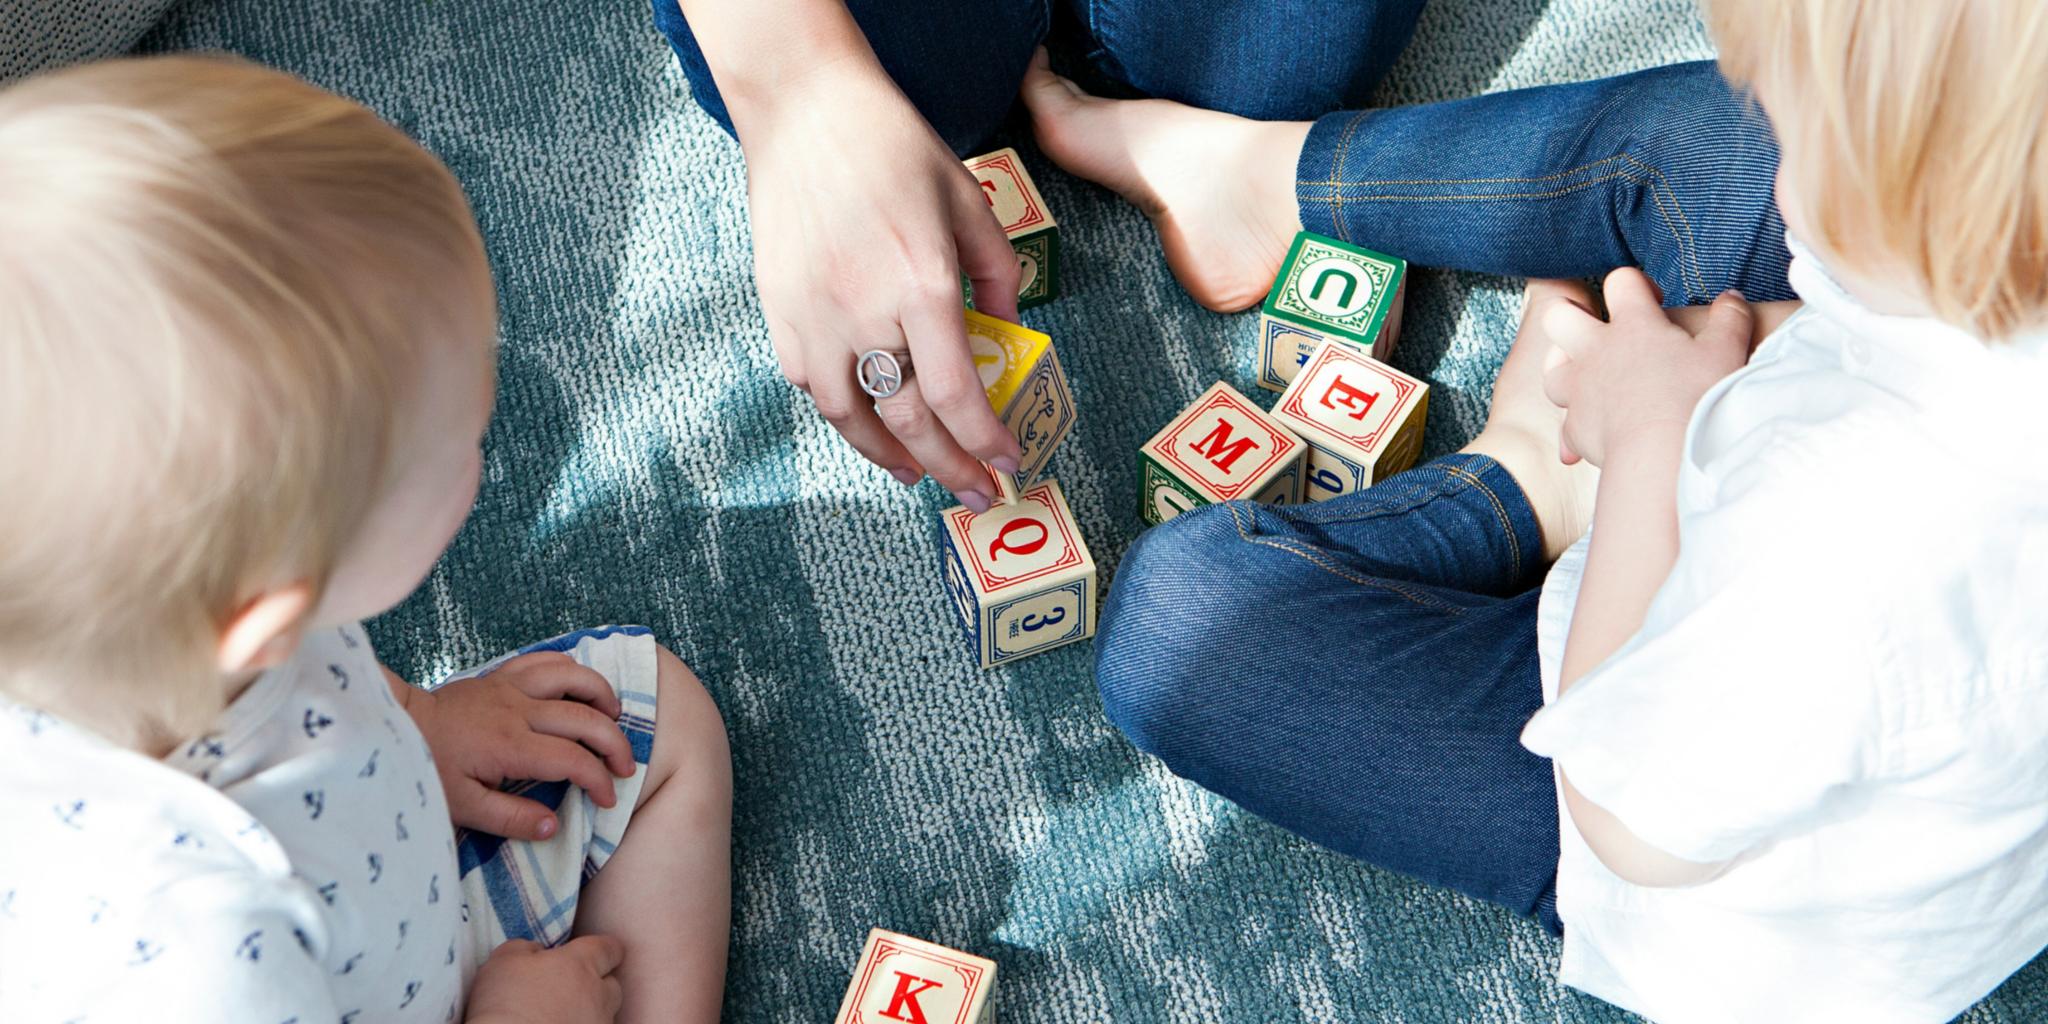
912, 420
951, 386
501, 814
601, 953
583, 724
836, 390
985, 253
552, 675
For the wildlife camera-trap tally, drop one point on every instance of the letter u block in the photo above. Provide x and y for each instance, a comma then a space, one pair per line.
1026, 387
901, 980
1361, 418
1220, 448
1328, 289
1026, 219
1020, 576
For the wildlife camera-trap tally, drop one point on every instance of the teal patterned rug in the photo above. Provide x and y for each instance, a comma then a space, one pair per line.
649, 465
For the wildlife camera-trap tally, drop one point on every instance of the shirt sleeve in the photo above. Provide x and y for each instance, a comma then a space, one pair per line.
220, 946
1750, 697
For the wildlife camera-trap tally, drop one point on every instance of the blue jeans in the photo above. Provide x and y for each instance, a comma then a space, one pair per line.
1665, 169
1357, 671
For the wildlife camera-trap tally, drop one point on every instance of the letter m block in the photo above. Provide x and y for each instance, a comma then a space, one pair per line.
1221, 448
902, 980
1326, 290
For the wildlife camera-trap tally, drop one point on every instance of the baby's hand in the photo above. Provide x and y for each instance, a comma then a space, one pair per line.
539, 716
522, 983
1636, 376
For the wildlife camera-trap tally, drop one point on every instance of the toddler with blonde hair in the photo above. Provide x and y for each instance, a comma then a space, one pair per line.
246, 362
1788, 694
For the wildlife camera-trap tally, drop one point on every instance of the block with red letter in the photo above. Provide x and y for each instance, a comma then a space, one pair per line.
901, 980
1026, 387
1020, 576
1361, 418
1026, 220
1221, 448
1328, 289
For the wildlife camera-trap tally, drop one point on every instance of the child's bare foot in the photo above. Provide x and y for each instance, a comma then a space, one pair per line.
1219, 188
1522, 428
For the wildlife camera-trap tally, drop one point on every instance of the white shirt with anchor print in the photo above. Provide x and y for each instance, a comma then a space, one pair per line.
294, 864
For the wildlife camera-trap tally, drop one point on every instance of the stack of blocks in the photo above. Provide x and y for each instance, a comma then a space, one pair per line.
1344, 420
1026, 220
910, 981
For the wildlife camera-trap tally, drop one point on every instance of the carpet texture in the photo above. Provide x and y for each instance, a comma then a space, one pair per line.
648, 465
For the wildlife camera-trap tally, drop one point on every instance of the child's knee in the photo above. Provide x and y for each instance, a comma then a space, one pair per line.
690, 745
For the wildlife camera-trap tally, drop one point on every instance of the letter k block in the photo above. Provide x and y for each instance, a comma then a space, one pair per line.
1221, 448
901, 980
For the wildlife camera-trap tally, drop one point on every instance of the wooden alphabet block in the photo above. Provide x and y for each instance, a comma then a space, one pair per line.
1361, 418
1020, 576
1026, 387
901, 980
1026, 219
1221, 448
1328, 289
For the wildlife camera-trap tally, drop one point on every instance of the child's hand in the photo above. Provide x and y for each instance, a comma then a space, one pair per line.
539, 716
524, 983
1636, 375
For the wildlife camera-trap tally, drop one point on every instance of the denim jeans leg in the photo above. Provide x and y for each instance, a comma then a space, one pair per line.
1276, 60
1356, 671
1667, 169
959, 61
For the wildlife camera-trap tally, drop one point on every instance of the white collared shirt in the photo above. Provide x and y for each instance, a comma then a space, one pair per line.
1843, 686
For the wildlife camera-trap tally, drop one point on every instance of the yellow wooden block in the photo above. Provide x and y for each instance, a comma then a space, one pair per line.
900, 980
1027, 388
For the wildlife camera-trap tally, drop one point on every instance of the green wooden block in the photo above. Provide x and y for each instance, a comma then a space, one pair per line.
1163, 495
1038, 259
1327, 290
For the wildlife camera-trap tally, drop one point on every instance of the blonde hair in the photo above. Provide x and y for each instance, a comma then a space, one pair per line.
216, 284
1914, 145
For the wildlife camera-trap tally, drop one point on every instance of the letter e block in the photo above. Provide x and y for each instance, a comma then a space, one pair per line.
1221, 448
1328, 289
901, 980
1026, 387
1019, 575
1025, 218
1362, 419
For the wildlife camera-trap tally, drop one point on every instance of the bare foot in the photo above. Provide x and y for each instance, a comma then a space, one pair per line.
1522, 428
1219, 188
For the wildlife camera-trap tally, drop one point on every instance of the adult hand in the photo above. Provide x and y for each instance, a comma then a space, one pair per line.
1636, 375
525, 983
863, 223
538, 716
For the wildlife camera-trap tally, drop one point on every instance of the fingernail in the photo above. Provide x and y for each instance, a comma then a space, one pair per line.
546, 829
905, 477
975, 500
1007, 464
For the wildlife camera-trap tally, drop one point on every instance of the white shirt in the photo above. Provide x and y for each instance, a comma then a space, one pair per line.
1841, 685
295, 863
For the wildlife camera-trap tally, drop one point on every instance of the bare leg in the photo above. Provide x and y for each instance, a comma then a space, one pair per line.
1220, 188
667, 892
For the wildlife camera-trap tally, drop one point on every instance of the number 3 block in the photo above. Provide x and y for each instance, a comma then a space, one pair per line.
1362, 419
1025, 218
1328, 289
1221, 448
901, 979
1020, 577
1026, 387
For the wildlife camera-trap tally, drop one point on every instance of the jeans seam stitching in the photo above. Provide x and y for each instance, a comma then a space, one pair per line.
1500, 513
1567, 190
1689, 260
1342, 156
1581, 169
1314, 558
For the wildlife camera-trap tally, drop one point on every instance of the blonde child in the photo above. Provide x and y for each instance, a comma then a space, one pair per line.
246, 360
1788, 694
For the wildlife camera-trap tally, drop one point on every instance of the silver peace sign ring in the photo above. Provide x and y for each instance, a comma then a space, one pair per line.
882, 373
